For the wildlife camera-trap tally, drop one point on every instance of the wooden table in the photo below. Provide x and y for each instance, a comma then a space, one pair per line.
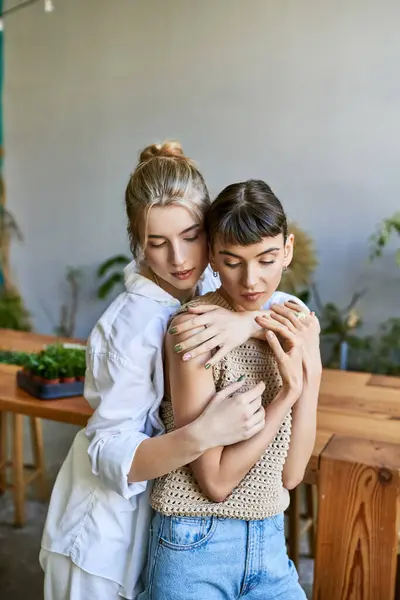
17, 403
355, 464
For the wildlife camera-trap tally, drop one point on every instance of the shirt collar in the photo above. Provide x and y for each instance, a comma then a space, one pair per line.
135, 283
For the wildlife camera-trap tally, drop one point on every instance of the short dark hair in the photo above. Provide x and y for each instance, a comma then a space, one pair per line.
243, 213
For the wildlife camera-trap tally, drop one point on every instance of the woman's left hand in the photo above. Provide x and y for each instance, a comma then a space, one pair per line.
211, 328
305, 325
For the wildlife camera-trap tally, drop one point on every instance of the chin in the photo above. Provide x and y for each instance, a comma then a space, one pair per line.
185, 285
251, 305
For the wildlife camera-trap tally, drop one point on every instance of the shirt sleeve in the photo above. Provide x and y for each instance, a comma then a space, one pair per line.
122, 395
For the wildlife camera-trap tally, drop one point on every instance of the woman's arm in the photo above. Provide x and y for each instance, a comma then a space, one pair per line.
212, 327
230, 416
304, 427
304, 414
121, 450
220, 469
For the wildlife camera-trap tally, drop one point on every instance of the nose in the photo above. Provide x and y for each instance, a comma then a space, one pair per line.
177, 255
250, 277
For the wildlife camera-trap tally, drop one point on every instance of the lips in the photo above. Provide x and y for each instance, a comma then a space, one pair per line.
182, 275
252, 297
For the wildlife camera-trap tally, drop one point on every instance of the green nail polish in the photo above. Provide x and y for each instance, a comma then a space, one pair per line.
173, 330
178, 348
207, 366
241, 378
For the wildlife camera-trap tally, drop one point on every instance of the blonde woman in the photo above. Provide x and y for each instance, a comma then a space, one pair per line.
95, 538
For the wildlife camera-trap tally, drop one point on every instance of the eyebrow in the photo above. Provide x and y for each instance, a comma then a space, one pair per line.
227, 253
188, 230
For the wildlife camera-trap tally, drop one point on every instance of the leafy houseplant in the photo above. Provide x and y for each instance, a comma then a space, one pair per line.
111, 274
380, 239
49, 370
297, 279
53, 364
13, 314
338, 327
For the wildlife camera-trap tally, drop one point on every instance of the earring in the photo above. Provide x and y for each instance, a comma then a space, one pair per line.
215, 274
284, 267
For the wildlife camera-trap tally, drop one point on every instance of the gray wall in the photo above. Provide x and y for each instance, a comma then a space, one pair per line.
303, 94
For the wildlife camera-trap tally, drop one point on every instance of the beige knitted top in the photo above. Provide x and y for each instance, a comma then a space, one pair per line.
261, 493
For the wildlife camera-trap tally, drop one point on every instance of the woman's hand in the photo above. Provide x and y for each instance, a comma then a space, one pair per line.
288, 355
212, 327
290, 317
231, 416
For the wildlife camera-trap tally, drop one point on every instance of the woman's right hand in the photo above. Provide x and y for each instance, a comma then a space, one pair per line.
232, 416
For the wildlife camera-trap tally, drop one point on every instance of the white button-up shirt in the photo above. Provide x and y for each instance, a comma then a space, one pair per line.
96, 517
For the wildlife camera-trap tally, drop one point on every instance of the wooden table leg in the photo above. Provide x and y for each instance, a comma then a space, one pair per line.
3, 451
356, 545
18, 469
294, 526
311, 504
38, 456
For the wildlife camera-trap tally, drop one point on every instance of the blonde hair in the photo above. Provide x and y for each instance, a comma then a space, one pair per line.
164, 176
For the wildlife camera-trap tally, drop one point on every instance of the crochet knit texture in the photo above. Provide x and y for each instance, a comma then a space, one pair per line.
260, 494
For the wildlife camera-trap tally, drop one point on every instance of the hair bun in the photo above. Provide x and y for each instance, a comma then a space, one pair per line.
168, 149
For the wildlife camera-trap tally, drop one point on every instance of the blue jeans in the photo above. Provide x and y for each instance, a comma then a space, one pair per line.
209, 558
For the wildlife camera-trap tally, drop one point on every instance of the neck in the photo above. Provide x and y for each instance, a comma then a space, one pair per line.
182, 295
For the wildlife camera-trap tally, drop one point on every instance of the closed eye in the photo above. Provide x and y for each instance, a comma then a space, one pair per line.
152, 245
192, 239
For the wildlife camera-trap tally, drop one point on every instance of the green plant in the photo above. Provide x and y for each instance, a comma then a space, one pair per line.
380, 353
48, 368
338, 326
11, 357
13, 314
381, 237
298, 276
111, 272
32, 364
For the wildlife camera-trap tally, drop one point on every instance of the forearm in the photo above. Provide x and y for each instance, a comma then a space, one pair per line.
158, 456
237, 460
302, 441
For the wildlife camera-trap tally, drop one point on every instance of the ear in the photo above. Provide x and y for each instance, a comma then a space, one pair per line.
211, 259
288, 250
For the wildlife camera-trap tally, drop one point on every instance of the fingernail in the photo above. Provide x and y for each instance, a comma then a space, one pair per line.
270, 334
207, 366
178, 348
241, 378
173, 330
187, 356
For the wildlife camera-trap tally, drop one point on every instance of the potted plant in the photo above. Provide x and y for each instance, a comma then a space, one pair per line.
80, 365
31, 367
67, 369
111, 274
49, 370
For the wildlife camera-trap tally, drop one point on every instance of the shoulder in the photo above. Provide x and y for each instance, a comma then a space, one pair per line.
183, 315
282, 297
208, 283
131, 329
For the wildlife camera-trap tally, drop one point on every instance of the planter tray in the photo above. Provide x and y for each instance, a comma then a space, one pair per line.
48, 391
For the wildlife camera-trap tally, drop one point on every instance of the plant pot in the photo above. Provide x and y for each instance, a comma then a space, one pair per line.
68, 379
37, 378
51, 381
80, 378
